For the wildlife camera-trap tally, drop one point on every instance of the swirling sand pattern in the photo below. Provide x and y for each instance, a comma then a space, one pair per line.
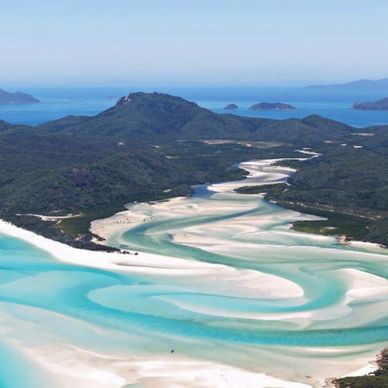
236, 288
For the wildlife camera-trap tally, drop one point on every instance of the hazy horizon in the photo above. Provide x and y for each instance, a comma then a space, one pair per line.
159, 85
193, 43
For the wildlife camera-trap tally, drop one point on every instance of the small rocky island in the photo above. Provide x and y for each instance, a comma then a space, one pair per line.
271, 106
372, 105
7, 98
231, 107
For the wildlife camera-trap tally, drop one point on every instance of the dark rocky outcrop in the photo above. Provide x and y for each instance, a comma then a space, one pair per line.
230, 107
372, 105
17, 98
271, 106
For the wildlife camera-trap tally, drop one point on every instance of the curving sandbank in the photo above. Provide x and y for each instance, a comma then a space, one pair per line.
259, 231
243, 287
74, 367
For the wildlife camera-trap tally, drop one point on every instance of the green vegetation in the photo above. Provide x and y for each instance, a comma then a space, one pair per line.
156, 117
80, 224
337, 224
151, 146
345, 180
377, 379
273, 189
60, 173
271, 106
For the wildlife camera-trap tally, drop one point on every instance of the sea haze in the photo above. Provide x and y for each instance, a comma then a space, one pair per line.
335, 104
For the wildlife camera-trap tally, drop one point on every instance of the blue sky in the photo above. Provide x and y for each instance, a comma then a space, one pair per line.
192, 41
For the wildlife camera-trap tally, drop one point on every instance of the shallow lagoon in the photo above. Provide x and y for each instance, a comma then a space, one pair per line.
336, 321
295, 306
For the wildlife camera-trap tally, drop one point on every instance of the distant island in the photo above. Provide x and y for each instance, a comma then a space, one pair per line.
7, 98
372, 105
231, 107
271, 106
364, 84
151, 146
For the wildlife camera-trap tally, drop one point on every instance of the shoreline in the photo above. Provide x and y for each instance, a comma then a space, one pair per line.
98, 228
102, 232
116, 372
363, 285
108, 375
159, 265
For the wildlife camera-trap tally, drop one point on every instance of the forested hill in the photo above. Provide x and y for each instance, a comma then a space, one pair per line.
156, 115
150, 146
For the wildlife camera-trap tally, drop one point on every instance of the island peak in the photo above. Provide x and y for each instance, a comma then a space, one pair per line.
372, 105
271, 106
231, 107
17, 98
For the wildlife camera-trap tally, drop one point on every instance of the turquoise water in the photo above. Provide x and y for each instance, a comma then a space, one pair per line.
16, 371
49, 309
206, 314
44, 301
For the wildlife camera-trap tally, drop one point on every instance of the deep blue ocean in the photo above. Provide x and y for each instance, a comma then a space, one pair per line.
61, 101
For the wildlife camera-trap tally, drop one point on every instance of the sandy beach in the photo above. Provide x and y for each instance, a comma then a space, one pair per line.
74, 367
213, 237
251, 230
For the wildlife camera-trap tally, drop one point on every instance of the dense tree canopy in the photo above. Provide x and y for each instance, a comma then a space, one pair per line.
150, 143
